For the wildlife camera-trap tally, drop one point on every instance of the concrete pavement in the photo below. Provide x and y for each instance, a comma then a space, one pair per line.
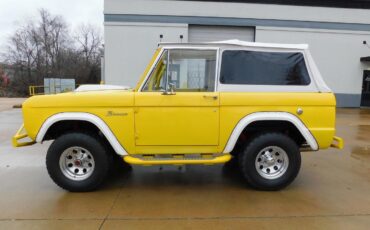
332, 191
7, 103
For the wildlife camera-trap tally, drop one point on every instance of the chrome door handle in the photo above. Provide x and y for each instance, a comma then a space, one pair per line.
210, 97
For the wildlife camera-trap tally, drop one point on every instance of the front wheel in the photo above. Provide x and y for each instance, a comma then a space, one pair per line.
270, 161
77, 162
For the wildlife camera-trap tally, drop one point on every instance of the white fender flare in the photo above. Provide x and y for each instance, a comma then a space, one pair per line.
97, 121
270, 116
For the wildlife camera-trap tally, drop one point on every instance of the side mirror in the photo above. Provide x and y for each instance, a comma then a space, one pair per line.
171, 89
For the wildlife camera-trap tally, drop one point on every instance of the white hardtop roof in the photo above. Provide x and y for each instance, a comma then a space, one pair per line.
236, 42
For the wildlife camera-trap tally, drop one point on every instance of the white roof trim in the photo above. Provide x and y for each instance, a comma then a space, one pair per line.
260, 44
85, 88
316, 75
236, 42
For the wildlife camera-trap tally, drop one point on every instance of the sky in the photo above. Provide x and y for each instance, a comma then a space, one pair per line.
75, 12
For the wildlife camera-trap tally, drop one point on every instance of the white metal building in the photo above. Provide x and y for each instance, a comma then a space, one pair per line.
336, 36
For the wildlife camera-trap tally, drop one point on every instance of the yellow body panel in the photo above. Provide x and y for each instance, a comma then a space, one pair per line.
318, 111
184, 123
37, 109
184, 119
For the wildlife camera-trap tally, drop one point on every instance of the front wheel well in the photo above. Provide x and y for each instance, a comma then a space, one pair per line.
66, 126
258, 127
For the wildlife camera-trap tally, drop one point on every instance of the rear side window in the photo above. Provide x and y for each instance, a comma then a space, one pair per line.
263, 68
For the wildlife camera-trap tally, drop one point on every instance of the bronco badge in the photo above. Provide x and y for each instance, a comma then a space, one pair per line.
111, 113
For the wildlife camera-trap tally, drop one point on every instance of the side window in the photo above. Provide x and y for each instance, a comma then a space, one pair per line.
157, 79
263, 68
192, 70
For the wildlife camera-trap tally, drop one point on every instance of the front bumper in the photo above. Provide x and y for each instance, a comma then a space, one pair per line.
21, 134
337, 143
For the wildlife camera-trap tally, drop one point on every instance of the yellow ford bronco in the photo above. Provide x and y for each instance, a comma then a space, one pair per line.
205, 103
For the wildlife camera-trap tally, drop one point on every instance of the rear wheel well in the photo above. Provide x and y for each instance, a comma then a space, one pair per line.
61, 127
258, 127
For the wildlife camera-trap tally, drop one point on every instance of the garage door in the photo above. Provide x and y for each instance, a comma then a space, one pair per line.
219, 33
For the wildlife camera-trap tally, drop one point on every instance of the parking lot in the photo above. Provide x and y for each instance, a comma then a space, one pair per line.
331, 191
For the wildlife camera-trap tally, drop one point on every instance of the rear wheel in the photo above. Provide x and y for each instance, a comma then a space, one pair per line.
77, 162
270, 161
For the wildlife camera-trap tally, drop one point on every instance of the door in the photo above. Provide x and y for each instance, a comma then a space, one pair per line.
200, 33
365, 97
188, 114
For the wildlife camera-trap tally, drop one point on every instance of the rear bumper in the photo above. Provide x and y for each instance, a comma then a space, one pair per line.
21, 134
337, 143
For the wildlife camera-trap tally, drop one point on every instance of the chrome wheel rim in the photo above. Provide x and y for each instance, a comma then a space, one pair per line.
272, 162
77, 163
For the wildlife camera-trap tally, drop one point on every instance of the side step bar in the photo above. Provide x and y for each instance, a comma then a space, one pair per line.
177, 159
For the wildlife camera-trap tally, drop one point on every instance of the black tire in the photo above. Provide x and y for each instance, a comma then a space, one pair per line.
247, 161
118, 165
94, 146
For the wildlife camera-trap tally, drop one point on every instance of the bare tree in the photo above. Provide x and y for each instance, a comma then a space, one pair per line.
53, 35
88, 41
20, 55
44, 48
